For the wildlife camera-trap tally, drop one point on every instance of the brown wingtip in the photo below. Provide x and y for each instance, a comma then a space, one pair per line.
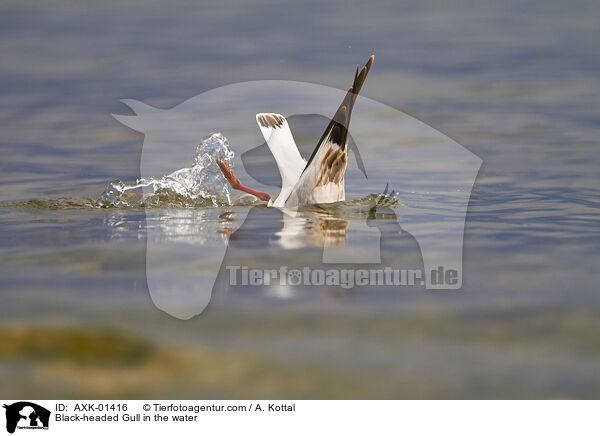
369, 63
337, 130
360, 76
270, 120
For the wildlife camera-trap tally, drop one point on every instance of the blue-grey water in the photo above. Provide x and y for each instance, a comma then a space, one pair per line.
516, 83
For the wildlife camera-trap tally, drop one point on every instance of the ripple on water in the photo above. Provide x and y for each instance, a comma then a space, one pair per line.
200, 185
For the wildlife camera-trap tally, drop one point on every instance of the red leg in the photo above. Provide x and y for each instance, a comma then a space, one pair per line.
236, 184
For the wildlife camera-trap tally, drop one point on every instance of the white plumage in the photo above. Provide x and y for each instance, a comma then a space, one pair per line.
321, 179
276, 131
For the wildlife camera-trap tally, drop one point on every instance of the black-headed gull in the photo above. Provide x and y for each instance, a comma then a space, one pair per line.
321, 179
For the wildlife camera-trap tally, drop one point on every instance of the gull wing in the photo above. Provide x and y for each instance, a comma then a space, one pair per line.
322, 180
290, 163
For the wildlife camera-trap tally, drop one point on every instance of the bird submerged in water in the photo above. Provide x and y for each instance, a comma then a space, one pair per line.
321, 179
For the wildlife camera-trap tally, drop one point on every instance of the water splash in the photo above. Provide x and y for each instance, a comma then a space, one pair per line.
200, 185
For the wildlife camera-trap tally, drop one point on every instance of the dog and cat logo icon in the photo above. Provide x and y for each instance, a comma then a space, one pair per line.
26, 415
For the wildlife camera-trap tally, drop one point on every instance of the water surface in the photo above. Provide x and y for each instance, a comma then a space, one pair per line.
517, 84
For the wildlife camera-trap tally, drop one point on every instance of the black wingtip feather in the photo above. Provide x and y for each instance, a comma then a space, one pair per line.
337, 130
